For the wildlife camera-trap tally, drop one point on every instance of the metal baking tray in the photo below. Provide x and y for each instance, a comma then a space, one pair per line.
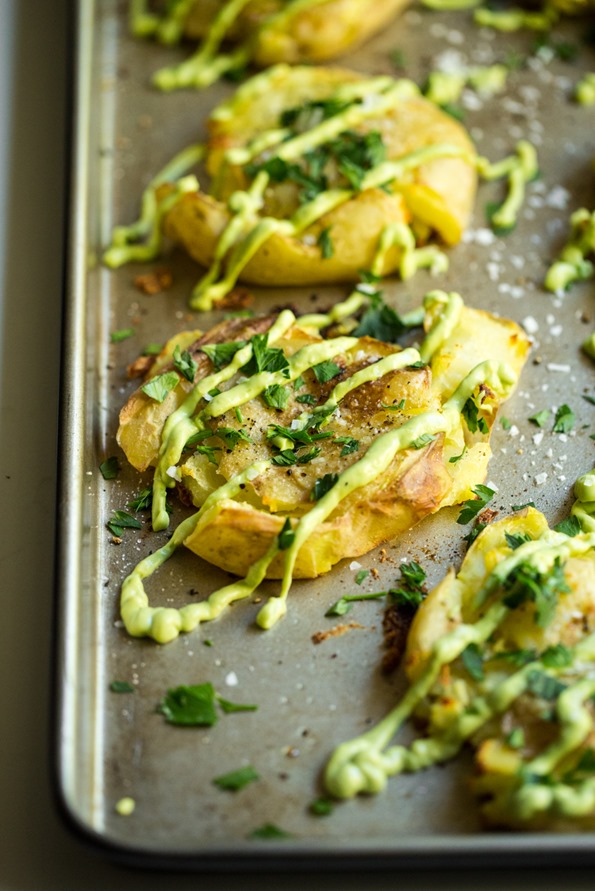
310, 696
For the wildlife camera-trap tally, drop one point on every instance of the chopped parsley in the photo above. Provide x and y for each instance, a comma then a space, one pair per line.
121, 687
473, 661
221, 354
121, 520
268, 831
236, 779
232, 435
544, 685
474, 505
422, 440
325, 243
110, 468
194, 705
209, 451
323, 485
326, 371
142, 501
344, 604
161, 385
540, 418
570, 526
121, 334
362, 576
287, 535
349, 444
411, 589
380, 321
276, 396
515, 540
264, 357
321, 807
473, 419
564, 420
526, 583
185, 364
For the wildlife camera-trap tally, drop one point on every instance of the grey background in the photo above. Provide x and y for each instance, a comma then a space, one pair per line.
36, 851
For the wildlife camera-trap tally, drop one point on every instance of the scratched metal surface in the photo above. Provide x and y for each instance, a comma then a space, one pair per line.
310, 697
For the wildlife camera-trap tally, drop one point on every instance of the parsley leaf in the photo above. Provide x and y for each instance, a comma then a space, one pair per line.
190, 705
544, 685
142, 501
236, 779
326, 371
122, 334
221, 354
121, 687
411, 590
569, 526
564, 420
349, 444
344, 604
185, 364
264, 357
472, 417
286, 536
323, 485
121, 520
325, 243
540, 418
526, 583
422, 440
474, 505
515, 540
161, 385
276, 396
110, 468
473, 661
380, 321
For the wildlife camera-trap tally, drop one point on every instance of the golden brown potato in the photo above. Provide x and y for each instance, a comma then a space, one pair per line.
377, 396
531, 767
340, 171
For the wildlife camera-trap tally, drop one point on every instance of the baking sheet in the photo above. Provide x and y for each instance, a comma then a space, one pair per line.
310, 696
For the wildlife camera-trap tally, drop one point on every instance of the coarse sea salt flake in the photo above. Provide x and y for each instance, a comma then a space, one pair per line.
540, 478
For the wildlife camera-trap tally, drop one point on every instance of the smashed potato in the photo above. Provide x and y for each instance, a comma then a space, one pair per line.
310, 168
237, 33
301, 450
500, 655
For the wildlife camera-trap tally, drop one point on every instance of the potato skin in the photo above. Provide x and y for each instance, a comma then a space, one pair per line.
437, 195
313, 35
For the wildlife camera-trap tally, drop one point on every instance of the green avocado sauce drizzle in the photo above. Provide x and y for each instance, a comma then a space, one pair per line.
364, 764
164, 624
246, 231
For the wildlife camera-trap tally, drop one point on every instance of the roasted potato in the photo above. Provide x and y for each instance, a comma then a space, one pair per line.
417, 480
345, 159
532, 767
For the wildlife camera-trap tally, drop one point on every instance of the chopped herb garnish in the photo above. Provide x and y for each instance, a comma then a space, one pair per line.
325, 243
506, 424
276, 396
570, 526
110, 468
361, 576
472, 659
395, 406
232, 435
349, 444
264, 357
161, 385
474, 505
517, 507
322, 807
221, 354
209, 451
544, 685
583, 769
121, 520
475, 531
306, 399
564, 420
236, 779
526, 583
518, 658
323, 485
190, 705
269, 831
121, 687
185, 364
516, 738
142, 501
589, 399
540, 418
473, 419
152, 349
286, 536
380, 321
231, 707
122, 334
344, 604
410, 591
556, 656
326, 371
456, 458
515, 540
198, 437
397, 58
